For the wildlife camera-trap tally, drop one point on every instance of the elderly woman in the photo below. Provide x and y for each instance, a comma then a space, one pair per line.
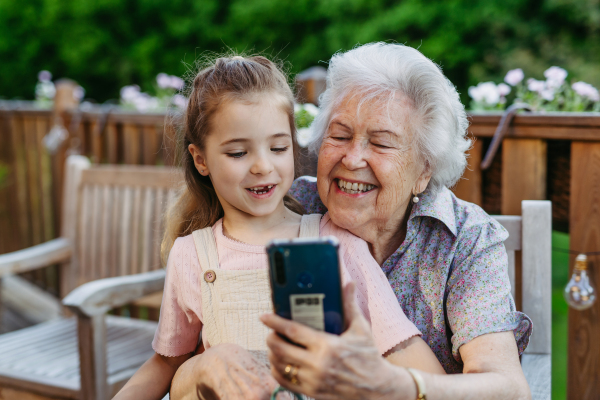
391, 140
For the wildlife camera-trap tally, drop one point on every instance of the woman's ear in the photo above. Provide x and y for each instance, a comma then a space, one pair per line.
423, 180
199, 160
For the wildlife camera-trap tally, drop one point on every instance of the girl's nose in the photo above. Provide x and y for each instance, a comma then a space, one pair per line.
262, 166
354, 157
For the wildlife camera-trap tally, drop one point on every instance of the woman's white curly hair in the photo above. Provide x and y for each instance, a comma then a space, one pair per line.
379, 71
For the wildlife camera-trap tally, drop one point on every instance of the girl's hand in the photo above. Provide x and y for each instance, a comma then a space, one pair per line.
225, 371
348, 366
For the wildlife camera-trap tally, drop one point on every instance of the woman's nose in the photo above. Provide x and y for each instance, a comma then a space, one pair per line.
355, 156
262, 166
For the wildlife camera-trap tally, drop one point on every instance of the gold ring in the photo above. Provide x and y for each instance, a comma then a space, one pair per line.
290, 373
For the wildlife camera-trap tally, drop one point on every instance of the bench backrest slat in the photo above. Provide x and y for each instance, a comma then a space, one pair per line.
113, 214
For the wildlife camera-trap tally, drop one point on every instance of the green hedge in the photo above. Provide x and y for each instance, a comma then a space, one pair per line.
105, 44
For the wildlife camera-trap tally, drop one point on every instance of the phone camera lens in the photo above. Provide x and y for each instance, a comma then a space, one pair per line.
279, 268
305, 280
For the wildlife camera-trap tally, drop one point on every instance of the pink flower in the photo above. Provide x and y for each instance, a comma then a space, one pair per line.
176, 83
514, 76
180, 101
586, 90
44, 76
485, 91
555, 76
534, 85
503, 89
163, 80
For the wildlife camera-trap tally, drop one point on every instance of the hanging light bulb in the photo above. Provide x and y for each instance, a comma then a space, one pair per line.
580, 293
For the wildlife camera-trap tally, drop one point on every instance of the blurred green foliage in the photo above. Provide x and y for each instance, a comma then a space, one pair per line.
106, 44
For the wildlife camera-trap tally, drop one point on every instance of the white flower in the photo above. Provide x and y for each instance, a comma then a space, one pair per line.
485, 91
311, 109
130, 93
586, 90
547, 94
45, 90
44, 76
555, 76
180, 101
514, 76
163, 80
304, 136
535, 86
503, 89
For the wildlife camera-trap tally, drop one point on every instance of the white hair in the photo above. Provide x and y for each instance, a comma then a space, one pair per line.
378, 71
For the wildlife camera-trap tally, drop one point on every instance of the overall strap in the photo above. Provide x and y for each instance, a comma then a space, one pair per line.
206, 248
309, 225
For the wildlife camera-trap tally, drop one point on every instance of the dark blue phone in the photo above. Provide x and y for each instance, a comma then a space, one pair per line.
306, 282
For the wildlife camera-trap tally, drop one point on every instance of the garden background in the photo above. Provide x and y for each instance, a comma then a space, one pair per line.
106, 44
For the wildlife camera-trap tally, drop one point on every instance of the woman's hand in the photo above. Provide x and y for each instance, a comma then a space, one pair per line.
225, 371
348, 366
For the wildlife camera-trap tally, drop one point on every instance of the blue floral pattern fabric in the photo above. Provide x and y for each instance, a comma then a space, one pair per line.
444, 231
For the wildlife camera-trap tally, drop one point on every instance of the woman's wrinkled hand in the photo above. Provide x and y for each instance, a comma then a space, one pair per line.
348, 366
225, 371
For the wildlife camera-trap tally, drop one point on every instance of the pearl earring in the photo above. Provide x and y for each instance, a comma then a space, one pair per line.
201, 171
415, 199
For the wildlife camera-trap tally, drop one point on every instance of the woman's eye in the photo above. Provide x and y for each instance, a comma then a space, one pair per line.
236, 155
381, 146
341, 138
279, 149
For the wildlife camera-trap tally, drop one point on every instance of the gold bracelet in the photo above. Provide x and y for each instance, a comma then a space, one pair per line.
416, 375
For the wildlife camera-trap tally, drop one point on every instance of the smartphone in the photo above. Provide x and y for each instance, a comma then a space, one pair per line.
306, 283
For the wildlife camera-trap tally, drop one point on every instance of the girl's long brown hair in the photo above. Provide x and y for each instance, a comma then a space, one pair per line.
224, 80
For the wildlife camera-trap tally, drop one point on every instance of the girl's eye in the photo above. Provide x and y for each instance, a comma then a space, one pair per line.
236, 155
279, 149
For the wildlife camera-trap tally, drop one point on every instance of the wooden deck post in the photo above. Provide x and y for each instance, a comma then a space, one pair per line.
64, 100
584, 227
523, 173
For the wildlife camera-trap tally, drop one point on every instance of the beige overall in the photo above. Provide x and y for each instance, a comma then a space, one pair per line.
232, 301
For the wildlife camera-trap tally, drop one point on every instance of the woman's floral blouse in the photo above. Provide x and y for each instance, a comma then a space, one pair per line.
443, 231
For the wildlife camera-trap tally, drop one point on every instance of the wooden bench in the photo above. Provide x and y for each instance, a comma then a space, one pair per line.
111, 228
531, 235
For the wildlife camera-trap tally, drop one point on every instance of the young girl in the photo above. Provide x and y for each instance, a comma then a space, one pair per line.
239, 148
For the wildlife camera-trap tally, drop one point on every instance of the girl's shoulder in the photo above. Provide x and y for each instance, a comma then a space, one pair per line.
183, 254
347, 239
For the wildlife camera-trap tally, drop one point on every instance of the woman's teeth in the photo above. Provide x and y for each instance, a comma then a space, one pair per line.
354, 188
260, 189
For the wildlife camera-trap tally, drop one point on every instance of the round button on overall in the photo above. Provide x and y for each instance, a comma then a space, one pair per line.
210, 276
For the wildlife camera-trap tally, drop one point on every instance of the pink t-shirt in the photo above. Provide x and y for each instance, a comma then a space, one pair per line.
180, 320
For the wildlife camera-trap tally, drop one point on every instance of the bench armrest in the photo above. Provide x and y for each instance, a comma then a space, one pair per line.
42, 255
97, 297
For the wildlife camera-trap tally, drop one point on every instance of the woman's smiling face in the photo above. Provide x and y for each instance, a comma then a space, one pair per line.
368, 167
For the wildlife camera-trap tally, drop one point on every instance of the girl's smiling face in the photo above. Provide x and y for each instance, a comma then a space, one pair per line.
249, 156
